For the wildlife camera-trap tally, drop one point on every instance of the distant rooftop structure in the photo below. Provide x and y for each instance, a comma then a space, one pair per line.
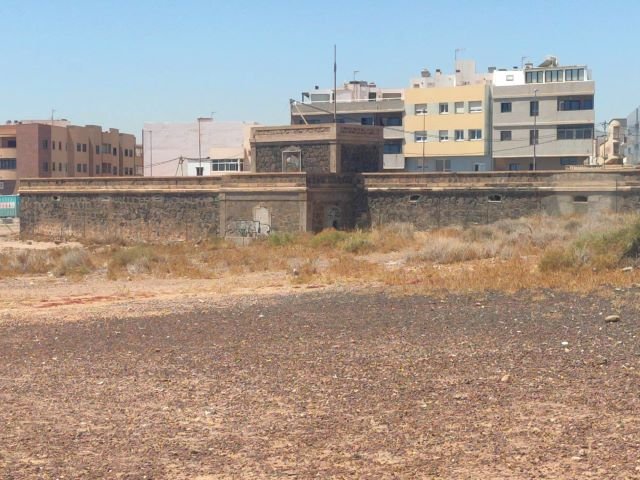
465, 74
353, 91
549, 71
60, 122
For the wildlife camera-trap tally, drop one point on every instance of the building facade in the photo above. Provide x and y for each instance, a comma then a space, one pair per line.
632, 141
447, 120
40, 149
543, 117
361, 103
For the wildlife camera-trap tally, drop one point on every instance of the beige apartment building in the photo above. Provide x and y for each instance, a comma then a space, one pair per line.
37, 149
447, 121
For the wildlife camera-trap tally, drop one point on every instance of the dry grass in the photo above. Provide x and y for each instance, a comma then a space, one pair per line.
576, 253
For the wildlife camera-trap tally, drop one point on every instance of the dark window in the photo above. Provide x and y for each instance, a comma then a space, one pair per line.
392, 148
533, 77
53, 166
495, 198
392, 122
53, 145
574, 74
534, 108
7, 164
78, 167
115, 151
84, 147
580, 199
11, 143
576, 103
84, 168
578, 132
60, 166
97, 149
115, 170
45, 144
363, 121
505, 107
78, 147
505, 135
551, 76
534, 137
564, 161
514, 166
59, 145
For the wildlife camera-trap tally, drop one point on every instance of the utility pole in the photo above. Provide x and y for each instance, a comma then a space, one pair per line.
335, 86
535, 128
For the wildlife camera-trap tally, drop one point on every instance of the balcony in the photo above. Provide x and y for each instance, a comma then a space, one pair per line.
394, 133
393, 161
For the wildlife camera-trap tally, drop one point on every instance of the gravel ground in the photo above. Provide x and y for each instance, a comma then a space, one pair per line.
328, 385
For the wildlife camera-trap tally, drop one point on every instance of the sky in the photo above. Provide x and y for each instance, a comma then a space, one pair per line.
121, 63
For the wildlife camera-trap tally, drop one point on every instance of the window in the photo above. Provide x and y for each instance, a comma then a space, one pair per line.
292, 160
84, 168
363, 121
97, 169
533, 77
59, 145
479, 167
45, 144
577, 132
226, 165
97, 149
509, 78
534, 108
392, 148
551, 76
78, 147
514, 166
574, 74
78, 168
459, 135
115, 170
372, 96
84, 147
475, 107
505, 135
106, 148
420, 108
565, 161
7, 164
115, 151
534, 137
45, 167
11, 143
443, 165
53, 166
53, 145
60, 166
385, 122
420, 137
475, 134
443, 135
443, 108
459, 107
505, 107
575, 103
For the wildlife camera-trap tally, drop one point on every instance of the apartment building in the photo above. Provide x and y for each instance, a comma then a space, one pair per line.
362, 103
632, 140
543, 117
32, 149
447, 120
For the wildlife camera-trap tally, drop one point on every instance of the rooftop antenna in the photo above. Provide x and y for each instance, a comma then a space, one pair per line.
522, 59
335, 72
455, 64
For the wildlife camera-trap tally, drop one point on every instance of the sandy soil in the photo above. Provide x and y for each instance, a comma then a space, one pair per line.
200, 380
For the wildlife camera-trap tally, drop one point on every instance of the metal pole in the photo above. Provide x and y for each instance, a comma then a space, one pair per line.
335, 86
535, 127
199, 146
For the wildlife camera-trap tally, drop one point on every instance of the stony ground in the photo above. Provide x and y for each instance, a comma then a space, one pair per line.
327, 385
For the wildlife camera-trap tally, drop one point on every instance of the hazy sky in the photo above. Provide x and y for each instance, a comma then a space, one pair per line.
121, 63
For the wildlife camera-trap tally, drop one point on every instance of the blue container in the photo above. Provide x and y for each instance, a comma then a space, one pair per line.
9, 206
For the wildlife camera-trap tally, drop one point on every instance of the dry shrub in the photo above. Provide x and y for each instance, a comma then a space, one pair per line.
74, 262
445, 250
27, 262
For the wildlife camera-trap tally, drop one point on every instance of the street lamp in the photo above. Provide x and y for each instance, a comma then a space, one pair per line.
535, 125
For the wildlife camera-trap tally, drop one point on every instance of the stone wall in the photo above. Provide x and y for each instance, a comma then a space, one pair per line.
315, 157
127, 216
361, 158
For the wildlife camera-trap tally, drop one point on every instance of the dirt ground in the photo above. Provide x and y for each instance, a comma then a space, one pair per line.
185, 382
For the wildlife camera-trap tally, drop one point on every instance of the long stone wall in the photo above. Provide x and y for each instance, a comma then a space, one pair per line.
192, 208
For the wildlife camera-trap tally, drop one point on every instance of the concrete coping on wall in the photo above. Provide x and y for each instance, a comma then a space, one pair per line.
234, 182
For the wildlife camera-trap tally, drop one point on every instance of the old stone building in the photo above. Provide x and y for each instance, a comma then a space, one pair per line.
317, 149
